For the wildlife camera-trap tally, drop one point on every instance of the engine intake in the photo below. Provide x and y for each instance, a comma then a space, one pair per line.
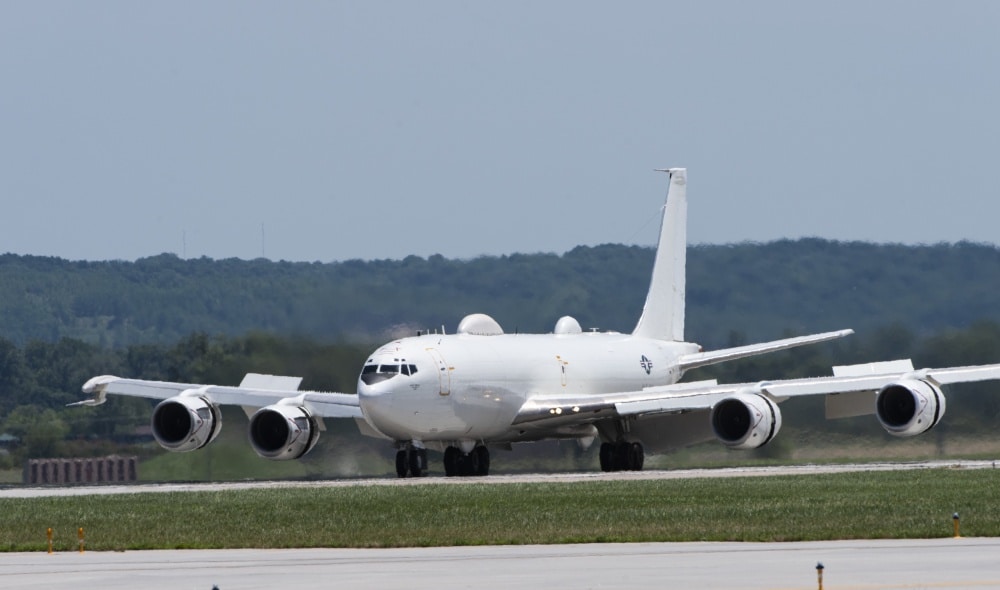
282, 433
909, 407
186, 423
745, 421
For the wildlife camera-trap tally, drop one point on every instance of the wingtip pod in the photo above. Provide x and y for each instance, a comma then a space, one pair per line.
663, 314
95, 386
95, 383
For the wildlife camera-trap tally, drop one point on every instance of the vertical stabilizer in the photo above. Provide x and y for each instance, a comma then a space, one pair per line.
663, 315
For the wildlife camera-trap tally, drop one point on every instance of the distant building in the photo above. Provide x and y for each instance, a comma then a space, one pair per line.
86, 470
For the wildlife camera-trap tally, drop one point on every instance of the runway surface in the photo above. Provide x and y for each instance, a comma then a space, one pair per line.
861, 565
105, 489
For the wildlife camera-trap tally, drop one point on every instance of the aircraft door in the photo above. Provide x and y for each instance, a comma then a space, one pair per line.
444, 373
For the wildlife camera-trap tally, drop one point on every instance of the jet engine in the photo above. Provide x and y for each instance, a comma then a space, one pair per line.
745, 420
185, 422
282, 433
909, 407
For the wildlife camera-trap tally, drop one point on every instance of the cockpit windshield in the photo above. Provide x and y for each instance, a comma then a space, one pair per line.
374, 373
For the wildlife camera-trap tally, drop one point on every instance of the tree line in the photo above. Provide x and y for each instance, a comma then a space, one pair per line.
743, 291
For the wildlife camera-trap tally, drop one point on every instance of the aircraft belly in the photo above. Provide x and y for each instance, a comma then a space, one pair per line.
485, 412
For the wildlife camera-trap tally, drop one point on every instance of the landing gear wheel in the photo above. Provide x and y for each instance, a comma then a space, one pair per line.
636, 457
452, 455
402, 463
418, 462
482, 462
467, 464
607, 457
622, 456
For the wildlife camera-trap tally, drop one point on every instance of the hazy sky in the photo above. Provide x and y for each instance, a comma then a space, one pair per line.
383, 129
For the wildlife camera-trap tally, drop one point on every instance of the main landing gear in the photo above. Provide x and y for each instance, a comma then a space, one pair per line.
622, 456
476, 462
411, 461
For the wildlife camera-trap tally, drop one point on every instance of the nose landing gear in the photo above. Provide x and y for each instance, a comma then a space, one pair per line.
411, 461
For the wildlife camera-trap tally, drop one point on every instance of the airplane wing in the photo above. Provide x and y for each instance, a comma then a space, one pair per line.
255, 391
861, 385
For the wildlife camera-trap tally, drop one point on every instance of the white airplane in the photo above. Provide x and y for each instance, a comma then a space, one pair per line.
460, 393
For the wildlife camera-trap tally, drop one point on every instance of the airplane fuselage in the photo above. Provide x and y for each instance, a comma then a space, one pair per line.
466, 387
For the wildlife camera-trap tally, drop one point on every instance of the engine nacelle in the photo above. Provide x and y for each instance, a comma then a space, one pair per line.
185, 423
745, 421
909, 407
282, 432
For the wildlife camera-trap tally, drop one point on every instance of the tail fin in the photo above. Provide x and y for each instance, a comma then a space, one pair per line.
663, 315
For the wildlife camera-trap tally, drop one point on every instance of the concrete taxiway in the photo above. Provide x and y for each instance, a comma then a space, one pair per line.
868, 565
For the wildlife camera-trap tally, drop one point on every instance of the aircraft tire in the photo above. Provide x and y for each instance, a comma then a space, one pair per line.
452, 455
607, 457
482, 462
466, 464
623, 456
418, 462
402, 465
636, 457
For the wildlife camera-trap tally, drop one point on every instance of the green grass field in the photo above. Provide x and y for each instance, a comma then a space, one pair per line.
908, 504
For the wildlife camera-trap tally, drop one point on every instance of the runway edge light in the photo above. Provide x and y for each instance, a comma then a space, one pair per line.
819, 574
954, 519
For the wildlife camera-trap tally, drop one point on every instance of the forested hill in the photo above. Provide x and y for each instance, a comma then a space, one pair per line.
735, 292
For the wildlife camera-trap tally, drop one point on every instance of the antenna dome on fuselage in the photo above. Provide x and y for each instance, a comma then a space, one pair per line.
568, 325
479, 324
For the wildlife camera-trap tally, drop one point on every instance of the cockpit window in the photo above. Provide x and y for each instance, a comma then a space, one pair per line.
373, 373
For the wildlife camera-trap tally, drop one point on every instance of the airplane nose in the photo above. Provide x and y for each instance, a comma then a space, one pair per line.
378, 388
366, 390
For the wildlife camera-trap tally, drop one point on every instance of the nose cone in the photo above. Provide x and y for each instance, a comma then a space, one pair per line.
391, 389
369, 392
387, 401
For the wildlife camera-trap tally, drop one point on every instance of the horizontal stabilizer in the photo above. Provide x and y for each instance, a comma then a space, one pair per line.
701, 359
